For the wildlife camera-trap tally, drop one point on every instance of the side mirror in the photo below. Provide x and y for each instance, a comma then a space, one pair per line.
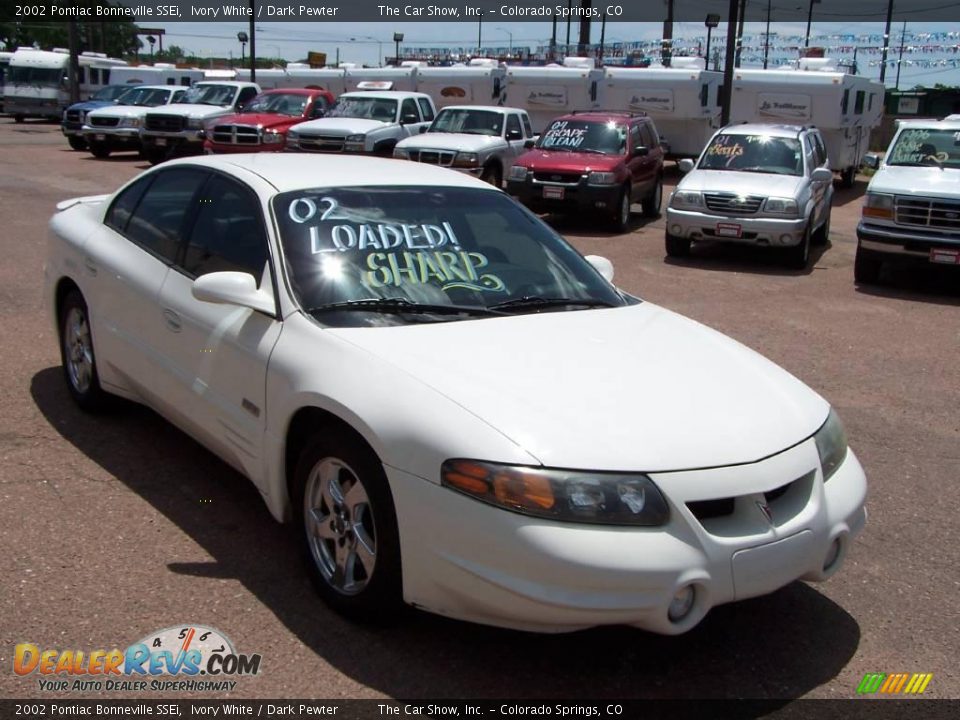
514, 135
529, 144
233, 288
871, 161
822, 175
641, 151
685, 165
602, 266
423, 129
409, 119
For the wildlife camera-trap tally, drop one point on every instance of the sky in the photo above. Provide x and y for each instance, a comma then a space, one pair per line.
366, 43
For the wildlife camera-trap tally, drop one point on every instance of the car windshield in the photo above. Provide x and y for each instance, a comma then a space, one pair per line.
112, 92
145, 97
926, 146
609, 138
369, 108
373, 256
754, 153
37, 77
209, 95
290, 104
472, 122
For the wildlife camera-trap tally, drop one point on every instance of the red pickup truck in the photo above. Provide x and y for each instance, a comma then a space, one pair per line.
262, 124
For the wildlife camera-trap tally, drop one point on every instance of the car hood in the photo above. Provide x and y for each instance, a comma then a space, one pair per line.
766, 184
191, 110
466, 142
920, 181
341, 126
636, 388
121, 111
90, 105
562, 161
267, 120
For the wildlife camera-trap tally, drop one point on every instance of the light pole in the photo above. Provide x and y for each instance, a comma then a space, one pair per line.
903, 34
397, 39
711, 22
511, 38
886, 41
766, 39
243, 38
151, 39
806, 42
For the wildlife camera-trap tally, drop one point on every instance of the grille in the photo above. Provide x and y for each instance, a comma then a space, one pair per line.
324, 143
164, 123
924, 212
557, 177
727, 515
732, 204
74, 116
236, 134
104, 121
433, 157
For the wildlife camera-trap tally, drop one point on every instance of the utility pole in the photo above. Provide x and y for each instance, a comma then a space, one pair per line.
727, 94
886, 41
666, 46
903, 34
584, 43
74, 41
742, 12
253, 42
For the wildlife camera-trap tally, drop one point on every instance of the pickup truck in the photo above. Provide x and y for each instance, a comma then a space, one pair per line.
71, 125
181, 128
117, 127
371, 122
264, 122
478, 139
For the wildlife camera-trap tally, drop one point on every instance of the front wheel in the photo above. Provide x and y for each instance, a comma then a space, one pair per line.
798, 256
77, 142
822, 236
620, 215
155, 156
494, 175
677, 246
100, 150
651, 204
848, 177
348, 527
866, 267
77, 356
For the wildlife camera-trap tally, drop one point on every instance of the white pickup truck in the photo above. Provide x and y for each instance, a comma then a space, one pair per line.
371, 122
180, 128
482, 140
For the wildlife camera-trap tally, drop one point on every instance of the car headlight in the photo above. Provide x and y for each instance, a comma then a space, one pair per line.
195, 124
562, 495
293, 141
780, 206
601, 178
878, 206
466, 159
130, 122
272, 137
831, 443
686, 199
518, 172
64, 117
401, 153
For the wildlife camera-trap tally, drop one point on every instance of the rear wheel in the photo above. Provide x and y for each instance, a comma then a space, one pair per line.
677, 246
651, 204
77, 142
100, 150
18, 119
77, 356
866, 266
848, 176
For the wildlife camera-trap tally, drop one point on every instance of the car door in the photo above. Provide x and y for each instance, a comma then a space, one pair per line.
219, 352
127, 263
514, 135
642, 167
820, 191
408, 111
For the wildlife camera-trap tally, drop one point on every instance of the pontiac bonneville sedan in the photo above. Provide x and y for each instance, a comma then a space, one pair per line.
455, 408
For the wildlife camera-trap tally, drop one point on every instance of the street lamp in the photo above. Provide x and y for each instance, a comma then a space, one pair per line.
151, 39
397, 39
511, 38
244, 39
711, 22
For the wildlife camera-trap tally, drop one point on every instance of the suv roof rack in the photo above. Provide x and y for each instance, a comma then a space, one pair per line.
627, 113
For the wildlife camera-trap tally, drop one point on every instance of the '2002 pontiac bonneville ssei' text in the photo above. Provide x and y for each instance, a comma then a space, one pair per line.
456, 409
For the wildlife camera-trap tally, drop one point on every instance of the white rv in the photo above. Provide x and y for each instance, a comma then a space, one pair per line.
482, 82
267, 78
552, 90
37, 82
403, 79
844, 107
301, 75
4, 67
157, 74
683, 100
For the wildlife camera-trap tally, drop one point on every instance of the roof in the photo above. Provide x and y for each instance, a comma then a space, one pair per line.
945, 124
158, 87
765, 129
602, 115
488, 108
388, 94
294, 91
294, 171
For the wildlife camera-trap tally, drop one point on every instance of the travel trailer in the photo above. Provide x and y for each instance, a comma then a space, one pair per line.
481, 82
157, 74
552, 90
844, 107
4, 67
683, 100
37, 82
301, 75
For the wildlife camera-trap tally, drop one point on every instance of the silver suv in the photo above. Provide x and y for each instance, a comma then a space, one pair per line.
767, 185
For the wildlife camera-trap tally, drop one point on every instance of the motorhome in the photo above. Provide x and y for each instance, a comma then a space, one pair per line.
552, 90
682, 99
156, 74
481, 82
844, 107
4, 67
37, 83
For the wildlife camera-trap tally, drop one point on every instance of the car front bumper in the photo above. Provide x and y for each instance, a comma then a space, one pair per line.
468, 560
747, 229
112, 136
212, 148
185, 139
909, 244
564, 197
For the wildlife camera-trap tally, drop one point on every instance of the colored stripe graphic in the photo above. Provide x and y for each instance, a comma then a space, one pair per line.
871, 683
894, 683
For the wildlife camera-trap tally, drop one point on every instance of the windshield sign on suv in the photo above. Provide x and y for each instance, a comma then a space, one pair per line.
926, 146
582, 136
754, 153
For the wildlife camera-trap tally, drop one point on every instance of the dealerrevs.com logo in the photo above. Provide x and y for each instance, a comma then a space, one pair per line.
180, 658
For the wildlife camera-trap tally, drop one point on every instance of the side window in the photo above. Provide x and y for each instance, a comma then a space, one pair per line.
409, 107
93, 74
845, 104
527, 127
821, 149
185, 81
246, 95
320, 107
870, 102
858, 103
177, 95
105, 76
119, 213
704, 94
171, 81
228, 233
513, 128
636, 140
425, 109
647, 137
157, 221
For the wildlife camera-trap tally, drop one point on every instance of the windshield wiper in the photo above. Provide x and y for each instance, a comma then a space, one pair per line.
402, 305
591, 150
537, 302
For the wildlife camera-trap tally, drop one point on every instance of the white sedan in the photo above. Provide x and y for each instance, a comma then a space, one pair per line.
459, 411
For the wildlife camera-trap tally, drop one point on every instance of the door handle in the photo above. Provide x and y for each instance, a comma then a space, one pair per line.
172, 320
90, 265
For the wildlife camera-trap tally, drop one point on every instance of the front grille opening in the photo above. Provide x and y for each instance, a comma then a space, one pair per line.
708, 509
772, 495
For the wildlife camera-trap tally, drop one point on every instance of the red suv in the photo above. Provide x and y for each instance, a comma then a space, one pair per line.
593, 161
263, 123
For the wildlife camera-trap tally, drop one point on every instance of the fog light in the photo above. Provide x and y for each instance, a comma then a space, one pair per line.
832, 555
785, 239
676, 230
682, 604
600, 204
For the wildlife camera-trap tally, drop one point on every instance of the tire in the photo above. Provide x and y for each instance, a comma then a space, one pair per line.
77, 355
677, 246
798, 256
620, 214
155, 156
822, 235
348, 528
18, 119
848, 177
493, 174
76, 142
866, 267
100, 150
651, 204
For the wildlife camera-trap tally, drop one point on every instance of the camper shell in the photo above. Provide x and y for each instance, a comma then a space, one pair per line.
550, 91
482, 82
844, 107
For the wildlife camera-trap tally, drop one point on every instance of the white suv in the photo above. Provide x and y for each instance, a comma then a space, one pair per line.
767, 185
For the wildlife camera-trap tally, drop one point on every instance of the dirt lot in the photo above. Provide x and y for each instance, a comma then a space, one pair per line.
116, 527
